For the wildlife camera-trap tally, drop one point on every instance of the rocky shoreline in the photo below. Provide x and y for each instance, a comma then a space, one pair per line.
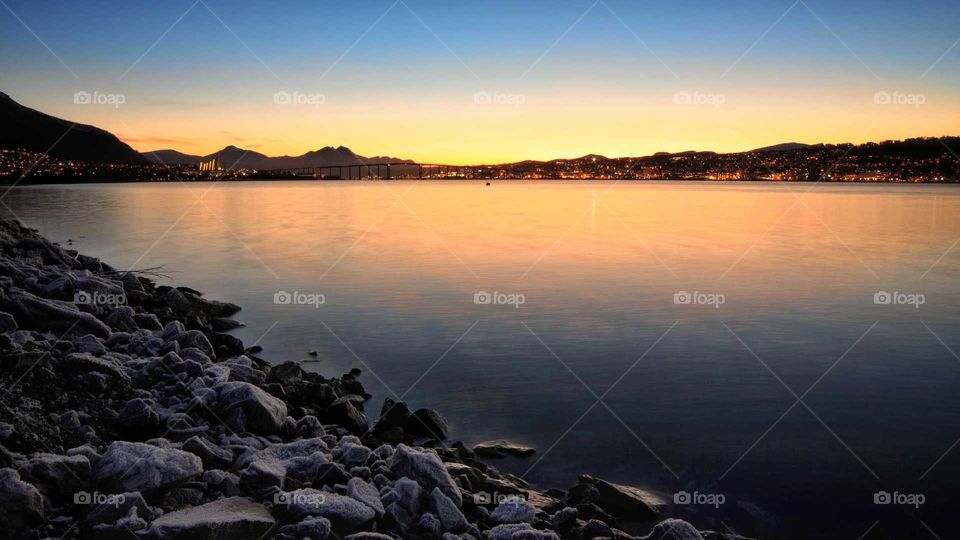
127, 412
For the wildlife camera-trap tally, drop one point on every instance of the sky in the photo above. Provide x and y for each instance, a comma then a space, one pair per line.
488, 81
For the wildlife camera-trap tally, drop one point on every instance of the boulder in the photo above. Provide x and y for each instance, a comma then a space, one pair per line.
131, 466
451, 518
263, 412
426, 469
502, 448
53, 315
674, 529
428, 423
224, 519
514, 510
367, 494
346, 514
21, 505
623, 501
213, 456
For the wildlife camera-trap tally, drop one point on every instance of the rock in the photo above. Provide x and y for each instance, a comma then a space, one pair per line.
367, 494
131, 466
139, 417
530, 534
287, 373
262, 475
117, 507
263, 412
514, 510
428, 423
314, 528
345, 513
86, 362
506, 532
329, 474
565, 520
21, 505
58, 475
197, 340
53, 315
368, 536
674, 529
224, 519
89, 344
8, 324
451, 518
345, 414
596, 529
623, 501
213, 456
426, 469
173, 331
502, 448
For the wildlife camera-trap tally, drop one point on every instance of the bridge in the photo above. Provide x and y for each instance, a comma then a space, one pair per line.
379, 171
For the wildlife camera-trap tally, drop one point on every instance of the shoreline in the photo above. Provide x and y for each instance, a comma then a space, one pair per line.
129, 411
59, 182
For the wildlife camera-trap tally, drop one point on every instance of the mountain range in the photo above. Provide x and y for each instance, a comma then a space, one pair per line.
233, 157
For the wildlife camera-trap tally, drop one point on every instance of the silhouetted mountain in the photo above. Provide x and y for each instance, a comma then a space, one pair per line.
232, 157
782, 147
171, 157
23, 127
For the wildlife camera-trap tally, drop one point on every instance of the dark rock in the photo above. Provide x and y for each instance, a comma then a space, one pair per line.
347, 415
287, 373
21, 505
262, 411
428, 423
213, 456
624, 501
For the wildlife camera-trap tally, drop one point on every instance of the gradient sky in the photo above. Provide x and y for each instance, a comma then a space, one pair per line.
399, 78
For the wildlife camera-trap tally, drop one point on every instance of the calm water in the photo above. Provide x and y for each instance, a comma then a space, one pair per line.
711, 407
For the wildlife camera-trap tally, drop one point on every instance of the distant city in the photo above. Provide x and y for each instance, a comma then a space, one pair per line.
914, 160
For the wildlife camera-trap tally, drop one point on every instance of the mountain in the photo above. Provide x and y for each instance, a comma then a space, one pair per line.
171, 157
23, 127
233, 157
782, 147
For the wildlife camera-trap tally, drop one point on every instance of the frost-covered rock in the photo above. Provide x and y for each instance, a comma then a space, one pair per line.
514, 510
224, 519
426, 469
263, 412
367, 494
130, 466
344, 513
451, 518
675, 529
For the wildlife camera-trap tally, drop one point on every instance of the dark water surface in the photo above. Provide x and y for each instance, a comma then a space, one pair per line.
797, 399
